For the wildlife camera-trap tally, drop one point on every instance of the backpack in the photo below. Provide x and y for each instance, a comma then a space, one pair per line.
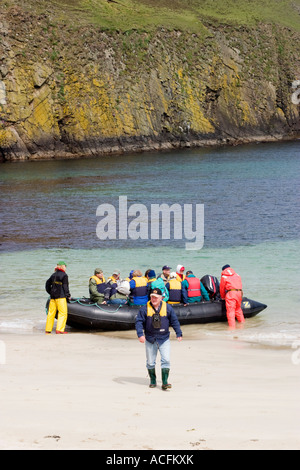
159, 283
123, 287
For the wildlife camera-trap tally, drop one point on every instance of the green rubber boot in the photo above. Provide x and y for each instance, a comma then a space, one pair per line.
152, 376
165, 376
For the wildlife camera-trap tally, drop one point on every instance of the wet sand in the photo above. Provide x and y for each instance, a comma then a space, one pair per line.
90, 391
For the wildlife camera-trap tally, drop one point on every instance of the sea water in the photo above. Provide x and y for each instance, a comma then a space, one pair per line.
250, 195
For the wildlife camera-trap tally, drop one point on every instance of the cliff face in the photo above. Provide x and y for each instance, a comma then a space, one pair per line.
69, 91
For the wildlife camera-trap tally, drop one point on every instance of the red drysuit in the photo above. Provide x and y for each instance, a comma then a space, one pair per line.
231, 290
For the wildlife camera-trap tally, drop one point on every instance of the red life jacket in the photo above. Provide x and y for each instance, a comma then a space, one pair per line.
194, 289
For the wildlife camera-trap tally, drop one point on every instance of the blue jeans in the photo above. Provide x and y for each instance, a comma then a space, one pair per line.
151, 354
117, 301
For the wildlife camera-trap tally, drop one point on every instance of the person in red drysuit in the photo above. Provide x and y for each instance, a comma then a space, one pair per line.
231, 289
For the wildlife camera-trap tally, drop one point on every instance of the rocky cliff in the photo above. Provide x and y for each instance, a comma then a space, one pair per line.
70, 89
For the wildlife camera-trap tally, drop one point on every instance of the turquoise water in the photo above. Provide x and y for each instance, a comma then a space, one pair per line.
251, 202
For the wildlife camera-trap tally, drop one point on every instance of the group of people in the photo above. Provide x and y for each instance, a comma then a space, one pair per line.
155, 296
176, 287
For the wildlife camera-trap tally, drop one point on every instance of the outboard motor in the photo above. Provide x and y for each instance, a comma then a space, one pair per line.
212, 285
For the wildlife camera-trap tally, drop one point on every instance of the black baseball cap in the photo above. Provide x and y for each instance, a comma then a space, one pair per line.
156, 292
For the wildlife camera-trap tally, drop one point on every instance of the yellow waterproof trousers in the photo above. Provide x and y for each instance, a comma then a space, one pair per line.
62, 307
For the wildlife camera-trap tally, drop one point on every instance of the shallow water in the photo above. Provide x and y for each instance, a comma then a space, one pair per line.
251, 203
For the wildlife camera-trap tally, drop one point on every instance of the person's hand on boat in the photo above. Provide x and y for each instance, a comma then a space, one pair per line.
142, 339
104, 303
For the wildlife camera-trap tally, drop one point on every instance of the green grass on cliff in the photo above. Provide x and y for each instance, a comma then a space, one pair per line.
187, 15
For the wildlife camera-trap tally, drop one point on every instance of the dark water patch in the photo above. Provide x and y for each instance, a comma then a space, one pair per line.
250, 195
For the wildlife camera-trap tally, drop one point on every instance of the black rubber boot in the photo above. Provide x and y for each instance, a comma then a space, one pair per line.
165, 376
152, 376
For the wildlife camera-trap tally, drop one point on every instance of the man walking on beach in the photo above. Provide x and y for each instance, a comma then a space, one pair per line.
152, 325
57, 287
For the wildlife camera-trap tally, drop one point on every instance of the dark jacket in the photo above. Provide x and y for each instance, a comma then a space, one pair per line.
144, 325
111, 292
57, 285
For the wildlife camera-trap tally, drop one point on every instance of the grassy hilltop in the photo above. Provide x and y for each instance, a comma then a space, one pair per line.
186, 15
82, 77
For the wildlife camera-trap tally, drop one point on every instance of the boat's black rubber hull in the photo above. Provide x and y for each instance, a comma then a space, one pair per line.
83, 315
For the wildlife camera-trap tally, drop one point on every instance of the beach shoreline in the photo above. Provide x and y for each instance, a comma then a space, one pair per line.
90, 391
143, 145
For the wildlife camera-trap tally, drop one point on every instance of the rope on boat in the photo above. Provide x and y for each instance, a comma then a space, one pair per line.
78, 301
73, 301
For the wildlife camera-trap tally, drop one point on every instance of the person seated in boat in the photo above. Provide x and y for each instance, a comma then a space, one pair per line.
115, 276
180, 272
174, 288
193, 289
138, 289
97, 286
117, 293
154, 283
151, 276
147, 272
111, 285
165, 275
130, 276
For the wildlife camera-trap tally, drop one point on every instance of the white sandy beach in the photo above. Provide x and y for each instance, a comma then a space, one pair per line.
90, 391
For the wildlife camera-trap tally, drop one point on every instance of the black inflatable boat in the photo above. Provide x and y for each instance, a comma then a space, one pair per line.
82, 314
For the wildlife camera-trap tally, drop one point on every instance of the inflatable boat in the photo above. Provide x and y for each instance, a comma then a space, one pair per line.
83, 314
